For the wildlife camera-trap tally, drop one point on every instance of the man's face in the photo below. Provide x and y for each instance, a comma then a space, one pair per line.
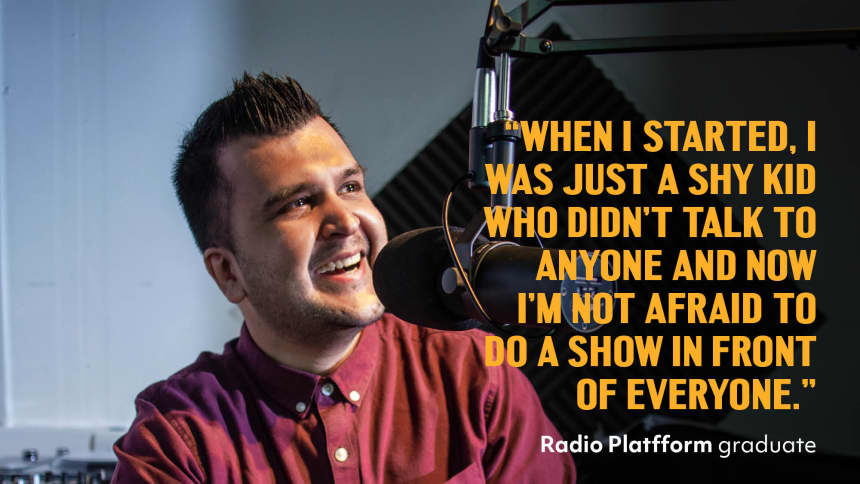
305, 232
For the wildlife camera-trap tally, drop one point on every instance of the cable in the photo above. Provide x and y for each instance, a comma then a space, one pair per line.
451, 250
459, 265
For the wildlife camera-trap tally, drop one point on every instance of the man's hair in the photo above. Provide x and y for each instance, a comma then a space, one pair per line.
261, 106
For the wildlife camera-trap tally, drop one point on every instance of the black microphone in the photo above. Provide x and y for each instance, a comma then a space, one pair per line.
414, 279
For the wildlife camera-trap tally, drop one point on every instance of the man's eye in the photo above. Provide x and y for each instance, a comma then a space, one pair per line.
352, 187
295, 204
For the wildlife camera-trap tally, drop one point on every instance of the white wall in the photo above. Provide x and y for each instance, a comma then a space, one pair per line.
101, 267
5, 367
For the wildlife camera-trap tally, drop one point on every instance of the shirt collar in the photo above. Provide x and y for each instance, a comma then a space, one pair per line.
295, 390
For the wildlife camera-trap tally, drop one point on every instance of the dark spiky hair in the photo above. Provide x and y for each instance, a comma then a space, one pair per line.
258, 106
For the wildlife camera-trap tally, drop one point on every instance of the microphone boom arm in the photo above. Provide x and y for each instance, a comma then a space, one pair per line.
503, 32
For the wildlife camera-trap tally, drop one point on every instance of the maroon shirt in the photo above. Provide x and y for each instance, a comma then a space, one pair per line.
410, 404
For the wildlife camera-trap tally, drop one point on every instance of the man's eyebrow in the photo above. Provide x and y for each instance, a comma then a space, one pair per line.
354, 170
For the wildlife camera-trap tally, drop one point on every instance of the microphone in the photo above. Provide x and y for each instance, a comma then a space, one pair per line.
414, 278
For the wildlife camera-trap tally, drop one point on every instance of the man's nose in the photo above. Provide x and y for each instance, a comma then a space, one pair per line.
339, 218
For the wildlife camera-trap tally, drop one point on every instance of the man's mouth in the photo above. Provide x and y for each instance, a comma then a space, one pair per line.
341, 266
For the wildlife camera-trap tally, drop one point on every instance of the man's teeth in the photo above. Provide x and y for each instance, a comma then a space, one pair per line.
340, 264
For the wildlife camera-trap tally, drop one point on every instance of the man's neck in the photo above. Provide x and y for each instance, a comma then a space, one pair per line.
320, 357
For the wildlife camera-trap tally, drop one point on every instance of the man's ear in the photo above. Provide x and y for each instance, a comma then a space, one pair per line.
222, 266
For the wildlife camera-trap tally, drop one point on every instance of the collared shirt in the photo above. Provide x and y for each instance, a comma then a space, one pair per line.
410, 404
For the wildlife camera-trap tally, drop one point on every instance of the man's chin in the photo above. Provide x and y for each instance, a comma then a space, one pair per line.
356, 313
360, 319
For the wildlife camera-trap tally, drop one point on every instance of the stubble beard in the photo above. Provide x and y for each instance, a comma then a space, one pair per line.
283, 305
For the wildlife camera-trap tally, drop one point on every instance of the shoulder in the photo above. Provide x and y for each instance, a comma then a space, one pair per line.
201, 387
177, 420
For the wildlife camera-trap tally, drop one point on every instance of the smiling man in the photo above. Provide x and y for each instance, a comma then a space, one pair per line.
321, 385
302, 230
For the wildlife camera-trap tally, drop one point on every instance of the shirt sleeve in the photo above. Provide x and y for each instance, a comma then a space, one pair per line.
155, 451
515, 426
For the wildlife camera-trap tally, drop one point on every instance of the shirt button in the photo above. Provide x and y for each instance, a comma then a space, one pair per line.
354, 396
327, 389
300, 407
341, 454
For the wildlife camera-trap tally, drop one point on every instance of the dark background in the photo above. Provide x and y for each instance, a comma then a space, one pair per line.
697, 86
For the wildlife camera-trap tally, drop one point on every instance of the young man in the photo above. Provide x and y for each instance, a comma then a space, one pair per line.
321, 385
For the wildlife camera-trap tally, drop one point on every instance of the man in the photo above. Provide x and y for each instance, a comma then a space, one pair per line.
321, 386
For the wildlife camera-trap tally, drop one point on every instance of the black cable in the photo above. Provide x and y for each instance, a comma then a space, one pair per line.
462, 272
